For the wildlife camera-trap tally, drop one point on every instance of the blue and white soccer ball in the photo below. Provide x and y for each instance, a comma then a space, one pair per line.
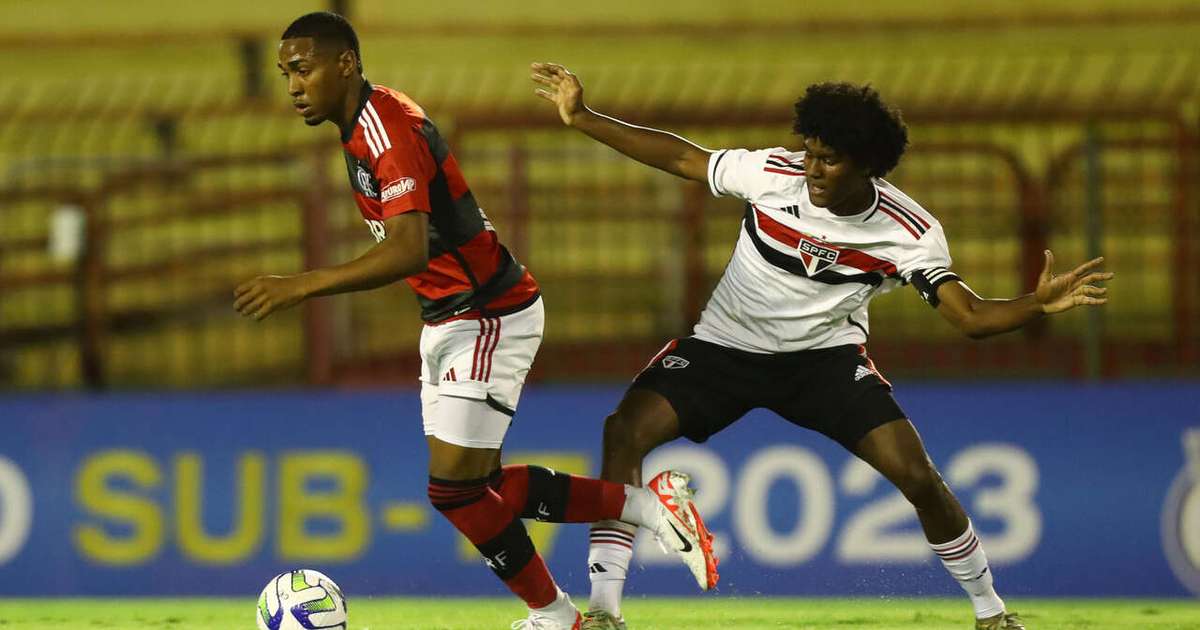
301, 600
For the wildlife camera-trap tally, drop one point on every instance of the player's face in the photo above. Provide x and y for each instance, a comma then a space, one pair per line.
834, 181
313, 77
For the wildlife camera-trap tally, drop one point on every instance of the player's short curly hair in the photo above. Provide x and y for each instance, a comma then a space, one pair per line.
853, 120
326, 27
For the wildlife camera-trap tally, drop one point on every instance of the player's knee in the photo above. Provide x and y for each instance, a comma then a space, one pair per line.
448, 495
919, 482
625, 435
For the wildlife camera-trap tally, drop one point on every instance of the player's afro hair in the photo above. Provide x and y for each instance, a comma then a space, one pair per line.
853, 120
326, 28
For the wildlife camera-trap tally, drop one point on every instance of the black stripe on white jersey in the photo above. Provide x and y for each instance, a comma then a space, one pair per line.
850, 318
927, 281
712, 174
782, 164
916, 225
796, 266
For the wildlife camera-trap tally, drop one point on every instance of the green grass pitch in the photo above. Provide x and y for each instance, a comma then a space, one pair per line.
725, 613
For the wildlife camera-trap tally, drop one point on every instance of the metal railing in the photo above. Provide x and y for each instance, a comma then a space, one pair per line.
625, 255
130, 205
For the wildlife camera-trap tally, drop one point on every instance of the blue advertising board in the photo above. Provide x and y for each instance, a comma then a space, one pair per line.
1074, 489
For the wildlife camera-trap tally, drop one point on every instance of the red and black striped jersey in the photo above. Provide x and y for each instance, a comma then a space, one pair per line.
398, 162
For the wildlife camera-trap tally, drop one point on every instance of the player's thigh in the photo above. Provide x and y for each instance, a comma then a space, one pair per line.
895, 449
705, 385
642, 421
452, 456
469, 422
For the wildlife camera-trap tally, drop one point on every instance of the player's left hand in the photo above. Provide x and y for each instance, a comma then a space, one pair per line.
1057, 293
264, 295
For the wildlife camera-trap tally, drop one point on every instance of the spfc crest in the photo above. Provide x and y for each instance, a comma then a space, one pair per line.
816, 257
672, 362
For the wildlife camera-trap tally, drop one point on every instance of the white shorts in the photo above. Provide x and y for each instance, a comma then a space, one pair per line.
481, 360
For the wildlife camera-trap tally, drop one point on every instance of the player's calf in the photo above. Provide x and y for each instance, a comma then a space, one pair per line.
480, 514
557, 497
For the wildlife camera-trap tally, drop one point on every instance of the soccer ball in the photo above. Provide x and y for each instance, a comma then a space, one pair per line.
301, 600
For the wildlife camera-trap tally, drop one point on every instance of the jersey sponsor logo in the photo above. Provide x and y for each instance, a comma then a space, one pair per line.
672, 362
364, 181
397, 189
377, 229
816, 257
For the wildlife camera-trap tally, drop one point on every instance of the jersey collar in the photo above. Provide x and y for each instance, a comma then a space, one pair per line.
861, 216
363, 96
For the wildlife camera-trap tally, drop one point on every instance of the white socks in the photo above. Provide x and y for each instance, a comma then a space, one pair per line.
611, 548
641, 507
609, 553
561, 610
963, 557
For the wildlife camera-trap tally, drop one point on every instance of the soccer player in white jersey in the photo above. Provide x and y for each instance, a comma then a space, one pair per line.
823, 233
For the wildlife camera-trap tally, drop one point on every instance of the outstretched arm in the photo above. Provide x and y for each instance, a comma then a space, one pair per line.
402, 253
660, 149
978, 317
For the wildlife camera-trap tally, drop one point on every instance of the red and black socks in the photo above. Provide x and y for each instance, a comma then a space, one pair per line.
483, 517
556, 497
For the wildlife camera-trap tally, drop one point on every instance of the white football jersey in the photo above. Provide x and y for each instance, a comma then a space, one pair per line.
801, 277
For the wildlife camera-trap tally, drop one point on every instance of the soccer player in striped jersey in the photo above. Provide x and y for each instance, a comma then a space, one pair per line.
822, 234
483, 325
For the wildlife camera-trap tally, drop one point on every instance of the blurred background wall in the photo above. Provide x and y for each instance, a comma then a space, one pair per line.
149, 162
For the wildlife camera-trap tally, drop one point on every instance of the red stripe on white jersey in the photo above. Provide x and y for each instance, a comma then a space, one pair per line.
902, 222
784, 172
910, 211
846, 256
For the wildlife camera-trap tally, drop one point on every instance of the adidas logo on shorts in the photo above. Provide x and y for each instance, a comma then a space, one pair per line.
861, 372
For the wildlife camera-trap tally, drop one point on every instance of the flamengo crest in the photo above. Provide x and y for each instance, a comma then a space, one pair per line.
816, 257
364, 180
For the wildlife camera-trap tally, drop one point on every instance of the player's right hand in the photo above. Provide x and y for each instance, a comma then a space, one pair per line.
264, 295
561, 88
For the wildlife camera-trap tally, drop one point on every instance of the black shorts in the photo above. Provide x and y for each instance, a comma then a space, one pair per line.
835, 391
